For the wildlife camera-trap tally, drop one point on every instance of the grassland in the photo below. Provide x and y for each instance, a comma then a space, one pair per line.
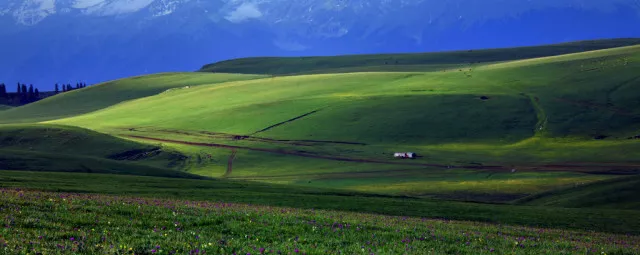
618, 193
559, 121
4, 107
602, 220
543, 137
63, 223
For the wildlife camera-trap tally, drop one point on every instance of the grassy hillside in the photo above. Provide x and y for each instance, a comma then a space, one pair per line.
4, 107
619, 193
403, 62
580, 96
556, 121
491, 132
107, 94
549, 142
70, 149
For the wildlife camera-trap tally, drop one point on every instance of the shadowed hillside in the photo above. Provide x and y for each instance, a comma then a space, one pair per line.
619, 193
72, 149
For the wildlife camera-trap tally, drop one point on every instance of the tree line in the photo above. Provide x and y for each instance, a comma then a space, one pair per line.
68, 87
28, 94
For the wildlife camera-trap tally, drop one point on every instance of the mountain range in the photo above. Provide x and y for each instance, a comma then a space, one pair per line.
49, 41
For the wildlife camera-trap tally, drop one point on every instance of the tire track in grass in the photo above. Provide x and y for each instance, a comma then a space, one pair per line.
227, 136
230, 163
541, 115
630, 168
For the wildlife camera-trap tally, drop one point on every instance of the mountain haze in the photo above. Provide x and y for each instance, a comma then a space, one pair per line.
48, 41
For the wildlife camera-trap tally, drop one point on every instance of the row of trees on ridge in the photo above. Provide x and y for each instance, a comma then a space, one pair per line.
27, 94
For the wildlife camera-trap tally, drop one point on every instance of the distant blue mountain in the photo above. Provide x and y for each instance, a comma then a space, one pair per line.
49, 41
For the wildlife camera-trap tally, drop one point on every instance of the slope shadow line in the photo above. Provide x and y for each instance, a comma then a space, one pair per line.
285, 122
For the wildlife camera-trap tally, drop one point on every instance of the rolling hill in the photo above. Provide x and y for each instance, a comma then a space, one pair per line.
403, 62
38, 147
103, 95
4, 107
493, 125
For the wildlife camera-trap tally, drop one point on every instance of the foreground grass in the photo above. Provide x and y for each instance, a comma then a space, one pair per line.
67, 223
602, 220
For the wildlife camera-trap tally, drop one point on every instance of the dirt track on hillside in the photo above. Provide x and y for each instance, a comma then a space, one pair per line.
236, 137
592, 168
306, 154
230, 163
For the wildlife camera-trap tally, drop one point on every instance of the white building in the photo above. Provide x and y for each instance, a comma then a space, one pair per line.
404, 155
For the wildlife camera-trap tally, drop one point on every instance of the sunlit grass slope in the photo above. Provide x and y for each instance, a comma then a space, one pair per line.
71, 149
103, 95
403, 62
585, 96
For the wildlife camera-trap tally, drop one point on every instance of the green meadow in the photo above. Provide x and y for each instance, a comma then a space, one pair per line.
545, 137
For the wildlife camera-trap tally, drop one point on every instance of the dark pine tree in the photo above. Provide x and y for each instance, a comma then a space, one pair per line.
36, 95
23, 94
57, 88
18, 90
30, 94
69, 88
3, 90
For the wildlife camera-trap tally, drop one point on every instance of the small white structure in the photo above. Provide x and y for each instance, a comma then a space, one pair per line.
404, 155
